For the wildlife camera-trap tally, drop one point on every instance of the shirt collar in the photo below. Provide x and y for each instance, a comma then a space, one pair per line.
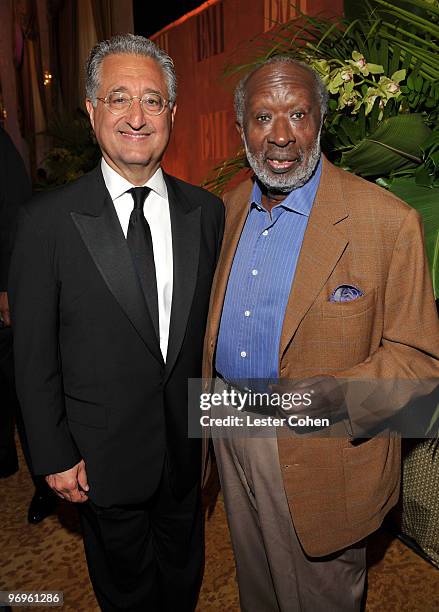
299, 200
117, 185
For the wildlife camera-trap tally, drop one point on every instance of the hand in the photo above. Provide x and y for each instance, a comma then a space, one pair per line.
4, 309
324, 394
71, 484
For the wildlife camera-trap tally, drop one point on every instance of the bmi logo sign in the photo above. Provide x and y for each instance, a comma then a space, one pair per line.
214, 135
281, 11
210, 32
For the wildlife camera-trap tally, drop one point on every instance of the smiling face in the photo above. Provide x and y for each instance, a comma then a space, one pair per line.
133, 144
281, 127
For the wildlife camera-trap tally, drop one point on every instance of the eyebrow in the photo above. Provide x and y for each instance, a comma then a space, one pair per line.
269, 101
123, 89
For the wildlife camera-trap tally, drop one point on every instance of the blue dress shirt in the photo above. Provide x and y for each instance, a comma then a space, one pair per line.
260, 283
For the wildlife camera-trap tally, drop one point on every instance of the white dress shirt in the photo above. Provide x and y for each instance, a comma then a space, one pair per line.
156, 211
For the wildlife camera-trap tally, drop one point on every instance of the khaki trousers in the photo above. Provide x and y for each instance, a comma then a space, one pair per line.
274, 574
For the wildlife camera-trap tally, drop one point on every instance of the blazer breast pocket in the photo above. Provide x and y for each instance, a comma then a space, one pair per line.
346, 330
351, 308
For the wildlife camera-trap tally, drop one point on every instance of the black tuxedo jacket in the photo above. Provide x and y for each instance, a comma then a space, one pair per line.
91, 379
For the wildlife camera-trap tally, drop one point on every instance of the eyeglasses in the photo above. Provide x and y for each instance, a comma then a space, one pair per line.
119, 103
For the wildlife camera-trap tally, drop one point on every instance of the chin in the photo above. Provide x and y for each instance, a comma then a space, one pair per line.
136, 159
282, 181
290, 175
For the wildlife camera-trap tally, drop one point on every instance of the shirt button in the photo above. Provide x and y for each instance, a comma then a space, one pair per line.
243, 354
265, 233
254, 272
247, 313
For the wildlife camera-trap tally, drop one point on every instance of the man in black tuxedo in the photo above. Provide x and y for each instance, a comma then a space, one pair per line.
15, 189
109, 312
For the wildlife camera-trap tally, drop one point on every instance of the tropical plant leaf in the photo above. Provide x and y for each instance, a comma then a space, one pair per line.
221, 175
395, 144
426, 201
416, 12
71, 130
75, 150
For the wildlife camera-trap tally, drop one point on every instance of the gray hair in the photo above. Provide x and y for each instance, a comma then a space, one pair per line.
241, 88
127, 44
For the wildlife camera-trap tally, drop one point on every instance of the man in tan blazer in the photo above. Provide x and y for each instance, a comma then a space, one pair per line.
322, 278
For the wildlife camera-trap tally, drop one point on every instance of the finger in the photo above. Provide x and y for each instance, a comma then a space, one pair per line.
294, 385
50, 482
286, 386
306, 383
64, 485
82, 477
74, 494
5, 317
70, 495
62, 489
77, 496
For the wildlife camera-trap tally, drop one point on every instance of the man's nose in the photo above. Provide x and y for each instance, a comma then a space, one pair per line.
282, 132
135, 116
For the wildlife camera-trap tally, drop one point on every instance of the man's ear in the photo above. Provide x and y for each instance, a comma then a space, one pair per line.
240, 130
173, 111
91, 112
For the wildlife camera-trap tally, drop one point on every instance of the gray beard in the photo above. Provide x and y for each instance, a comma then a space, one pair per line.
284, 183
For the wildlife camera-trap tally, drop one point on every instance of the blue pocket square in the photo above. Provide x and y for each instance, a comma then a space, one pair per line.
345, 293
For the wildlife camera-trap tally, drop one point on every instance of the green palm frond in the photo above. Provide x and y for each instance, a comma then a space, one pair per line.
425, 201
395, 144
221, 175
75, 150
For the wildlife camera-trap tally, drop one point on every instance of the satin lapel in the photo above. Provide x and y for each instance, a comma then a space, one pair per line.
236, 215
104, 239
322, 247
185, 224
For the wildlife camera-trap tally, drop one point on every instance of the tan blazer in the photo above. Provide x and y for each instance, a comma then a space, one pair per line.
358, 234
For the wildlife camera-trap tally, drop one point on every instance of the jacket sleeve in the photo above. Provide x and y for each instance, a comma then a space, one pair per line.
34, 294
406, 365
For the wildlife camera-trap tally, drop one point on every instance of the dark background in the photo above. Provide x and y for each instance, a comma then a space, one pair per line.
148, 22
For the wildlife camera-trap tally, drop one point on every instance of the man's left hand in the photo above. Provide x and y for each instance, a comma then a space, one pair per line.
326, 397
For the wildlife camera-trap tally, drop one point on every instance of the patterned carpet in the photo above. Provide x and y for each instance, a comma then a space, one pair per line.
49, 556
